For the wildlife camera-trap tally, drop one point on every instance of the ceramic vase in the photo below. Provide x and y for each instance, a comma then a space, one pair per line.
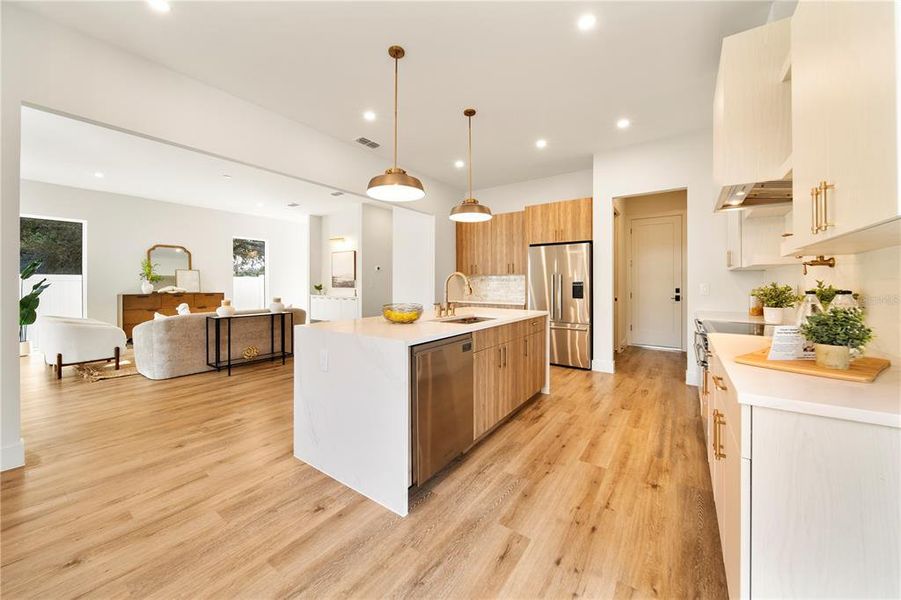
772, 316
277, 306
833, 357
146, 287
24, 348
226, 310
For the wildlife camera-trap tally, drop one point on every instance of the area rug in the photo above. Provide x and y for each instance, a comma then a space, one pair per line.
99, 371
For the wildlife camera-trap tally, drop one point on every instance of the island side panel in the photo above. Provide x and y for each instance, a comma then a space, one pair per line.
352, 412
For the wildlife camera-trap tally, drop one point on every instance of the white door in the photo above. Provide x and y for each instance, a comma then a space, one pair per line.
656, 281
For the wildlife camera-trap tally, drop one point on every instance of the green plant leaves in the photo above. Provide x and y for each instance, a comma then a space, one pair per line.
838, 327
774, 295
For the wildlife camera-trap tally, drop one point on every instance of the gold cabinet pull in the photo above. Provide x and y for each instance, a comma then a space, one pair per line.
814, 210
824, 215
718, 382
719, 419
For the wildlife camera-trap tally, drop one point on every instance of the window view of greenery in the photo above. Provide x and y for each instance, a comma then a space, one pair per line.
56, 243
249, 258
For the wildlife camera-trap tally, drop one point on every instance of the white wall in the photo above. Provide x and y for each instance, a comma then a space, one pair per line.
347, 224
50, 66
377, 259
664, 165
515, 196
119, 230
413, 278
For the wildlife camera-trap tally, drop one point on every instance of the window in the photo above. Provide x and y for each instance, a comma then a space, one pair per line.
59, 245
250, 279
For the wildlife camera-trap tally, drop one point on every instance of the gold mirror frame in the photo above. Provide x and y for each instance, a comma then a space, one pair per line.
174, 247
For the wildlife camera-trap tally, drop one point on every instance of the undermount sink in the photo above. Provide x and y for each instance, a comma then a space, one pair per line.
467, 320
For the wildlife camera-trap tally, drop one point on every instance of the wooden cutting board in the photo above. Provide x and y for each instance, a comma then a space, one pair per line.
863, 370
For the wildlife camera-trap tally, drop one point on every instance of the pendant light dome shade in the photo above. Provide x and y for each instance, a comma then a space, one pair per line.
394, 185
470, 211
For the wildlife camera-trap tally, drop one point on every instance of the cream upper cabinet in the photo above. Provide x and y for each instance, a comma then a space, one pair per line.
752, 106
844, 127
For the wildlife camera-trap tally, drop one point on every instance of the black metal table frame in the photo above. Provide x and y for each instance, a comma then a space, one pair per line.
218, 364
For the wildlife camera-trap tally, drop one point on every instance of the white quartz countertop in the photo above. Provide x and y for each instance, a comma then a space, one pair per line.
426, 329
878, 403
720, 315
494, 302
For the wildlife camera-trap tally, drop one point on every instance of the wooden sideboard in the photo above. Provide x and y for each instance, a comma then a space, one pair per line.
137, 308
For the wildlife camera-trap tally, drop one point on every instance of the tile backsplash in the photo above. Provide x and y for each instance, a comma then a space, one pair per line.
497, 288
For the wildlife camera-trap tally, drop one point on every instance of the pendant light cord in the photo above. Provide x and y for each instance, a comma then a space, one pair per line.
470, 156
395, 113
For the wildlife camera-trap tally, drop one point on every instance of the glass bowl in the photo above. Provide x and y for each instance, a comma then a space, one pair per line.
402, 313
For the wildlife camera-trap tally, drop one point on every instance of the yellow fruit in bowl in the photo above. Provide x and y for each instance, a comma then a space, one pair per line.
402, 313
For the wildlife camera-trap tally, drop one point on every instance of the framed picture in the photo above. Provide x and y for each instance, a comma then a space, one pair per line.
344, 269
187, 279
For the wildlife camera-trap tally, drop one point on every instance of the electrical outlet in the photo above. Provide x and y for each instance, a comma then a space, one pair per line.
323, 360
705, 289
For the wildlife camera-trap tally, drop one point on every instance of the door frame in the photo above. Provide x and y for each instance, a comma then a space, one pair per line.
682, 216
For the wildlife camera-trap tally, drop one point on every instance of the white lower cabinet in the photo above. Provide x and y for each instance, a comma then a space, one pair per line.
807, 506
334, 308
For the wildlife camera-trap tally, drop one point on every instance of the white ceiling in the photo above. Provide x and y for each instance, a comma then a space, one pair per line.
66, 151
523, 65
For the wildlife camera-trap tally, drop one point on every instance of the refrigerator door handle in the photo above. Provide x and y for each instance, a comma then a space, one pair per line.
553, 296
559, 303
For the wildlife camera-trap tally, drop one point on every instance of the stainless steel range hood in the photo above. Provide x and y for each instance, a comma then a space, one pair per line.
751, 195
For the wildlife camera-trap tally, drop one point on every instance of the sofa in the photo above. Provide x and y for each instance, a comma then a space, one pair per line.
177, 345
71, 341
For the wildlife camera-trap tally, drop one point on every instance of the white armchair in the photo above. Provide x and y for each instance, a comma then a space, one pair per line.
69, 341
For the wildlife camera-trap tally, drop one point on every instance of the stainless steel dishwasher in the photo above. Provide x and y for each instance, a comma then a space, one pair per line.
442, 404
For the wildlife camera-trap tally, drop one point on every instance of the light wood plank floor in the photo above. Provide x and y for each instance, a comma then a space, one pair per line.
187, 488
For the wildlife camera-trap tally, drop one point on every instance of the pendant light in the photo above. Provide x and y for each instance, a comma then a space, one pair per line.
470, 211
395, 185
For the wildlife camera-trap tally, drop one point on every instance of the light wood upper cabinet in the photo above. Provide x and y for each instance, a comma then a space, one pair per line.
752, 106
844, 126
566, 221
494, 247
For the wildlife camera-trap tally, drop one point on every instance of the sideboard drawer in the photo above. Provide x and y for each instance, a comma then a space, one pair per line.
151, 301
207, 301
137, 315
173, 300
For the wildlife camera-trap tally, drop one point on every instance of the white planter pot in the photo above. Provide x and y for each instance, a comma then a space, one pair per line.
833, 357
146, 287
277, 305
24, 348
226, 310
772, 316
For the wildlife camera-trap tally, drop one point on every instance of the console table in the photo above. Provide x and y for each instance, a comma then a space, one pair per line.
216, 323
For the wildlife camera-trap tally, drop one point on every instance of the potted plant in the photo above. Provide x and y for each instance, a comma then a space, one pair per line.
28, 304
825, 293
318, 288
835, 333
148, 276
775, 298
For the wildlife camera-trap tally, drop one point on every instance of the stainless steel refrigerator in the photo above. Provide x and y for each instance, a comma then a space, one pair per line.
560, 283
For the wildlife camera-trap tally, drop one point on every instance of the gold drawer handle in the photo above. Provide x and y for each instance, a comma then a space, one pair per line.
719, 419
718, 382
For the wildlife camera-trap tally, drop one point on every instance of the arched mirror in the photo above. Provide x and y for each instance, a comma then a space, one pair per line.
166, 259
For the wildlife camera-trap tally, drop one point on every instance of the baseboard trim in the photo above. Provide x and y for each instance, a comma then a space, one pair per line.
12, 456
691, 377
603, 366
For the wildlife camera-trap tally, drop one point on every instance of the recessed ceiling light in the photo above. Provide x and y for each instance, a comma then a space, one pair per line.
98, 174
459, 164
159, 5
369, 115
623, 123
586, 22
540, 144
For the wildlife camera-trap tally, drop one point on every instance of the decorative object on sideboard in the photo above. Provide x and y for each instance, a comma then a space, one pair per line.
395, 185
318, 289
167, 259
344, 269
183, 309
277, 305
187, 279
250, 352
837, 333
775, 298
148, 275
470, 211
402, 313
226, 309
28, 304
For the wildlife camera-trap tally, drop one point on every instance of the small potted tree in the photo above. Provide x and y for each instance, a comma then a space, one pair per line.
28, 304
318, 287
775, 298
148, 276
835, 334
